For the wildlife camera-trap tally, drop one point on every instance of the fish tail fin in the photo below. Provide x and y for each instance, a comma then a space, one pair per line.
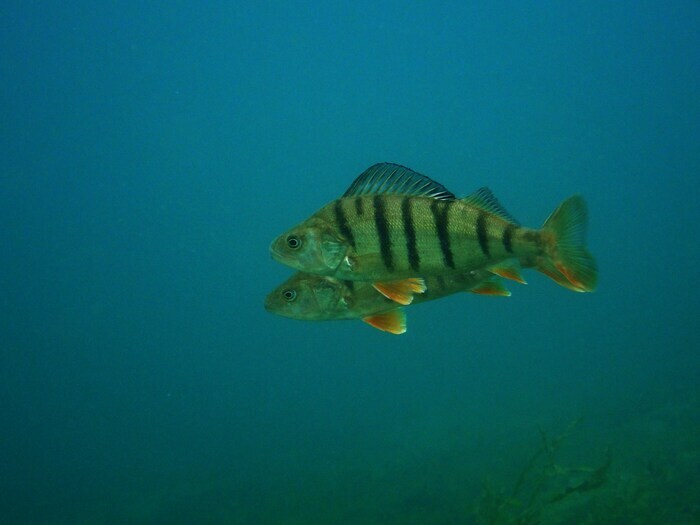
567, 260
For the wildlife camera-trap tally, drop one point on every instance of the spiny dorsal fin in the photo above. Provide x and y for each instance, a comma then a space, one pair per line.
393, 322
485, 200
388, 178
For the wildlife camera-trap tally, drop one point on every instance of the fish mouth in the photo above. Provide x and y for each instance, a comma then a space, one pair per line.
271, 305
268, 304
280, 254
276, 253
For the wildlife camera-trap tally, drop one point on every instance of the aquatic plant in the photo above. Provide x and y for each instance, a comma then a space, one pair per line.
541, 484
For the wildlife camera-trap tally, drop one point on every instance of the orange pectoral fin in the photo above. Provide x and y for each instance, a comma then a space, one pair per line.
401, 291
393, 322
508, 270
491, 288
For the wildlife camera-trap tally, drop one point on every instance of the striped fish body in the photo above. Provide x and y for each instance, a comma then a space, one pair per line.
315, 297
390, 237
393, 224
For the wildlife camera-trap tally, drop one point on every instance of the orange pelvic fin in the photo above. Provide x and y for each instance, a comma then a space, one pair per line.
508, 270
393, 322
401, 291
491, 288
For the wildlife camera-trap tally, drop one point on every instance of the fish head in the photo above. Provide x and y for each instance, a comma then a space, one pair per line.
312, 246
309, 297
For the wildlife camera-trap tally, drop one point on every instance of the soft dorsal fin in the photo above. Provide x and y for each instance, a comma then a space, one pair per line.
393, 322
388, 178
485, 200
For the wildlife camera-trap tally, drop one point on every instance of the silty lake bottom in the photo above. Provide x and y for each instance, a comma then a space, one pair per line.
635, 466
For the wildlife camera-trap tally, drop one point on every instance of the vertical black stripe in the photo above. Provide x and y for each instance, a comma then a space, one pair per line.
481, 233
440, 210
358, 206
410, 232
383, 232
342, 221
349, 284
508, 238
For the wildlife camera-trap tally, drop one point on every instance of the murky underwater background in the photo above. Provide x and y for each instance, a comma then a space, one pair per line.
151, 152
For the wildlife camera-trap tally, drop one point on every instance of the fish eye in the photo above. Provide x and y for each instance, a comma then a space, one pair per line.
289, 295
293, 242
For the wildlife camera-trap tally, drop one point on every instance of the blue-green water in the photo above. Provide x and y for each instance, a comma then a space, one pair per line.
150, 153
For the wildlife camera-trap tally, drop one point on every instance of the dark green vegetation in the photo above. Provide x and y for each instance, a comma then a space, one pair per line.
542, 485
648, 476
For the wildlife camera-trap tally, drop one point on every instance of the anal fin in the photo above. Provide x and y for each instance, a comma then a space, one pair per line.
508, 270
491, 288
401, 291
393, 322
